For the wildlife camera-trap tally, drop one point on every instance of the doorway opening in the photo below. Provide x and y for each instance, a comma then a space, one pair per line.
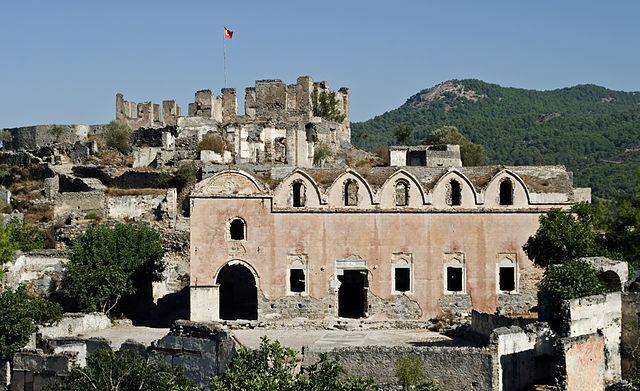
352, 294
238, 293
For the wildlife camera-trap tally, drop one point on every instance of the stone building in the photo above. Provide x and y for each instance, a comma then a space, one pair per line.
384, 243
280, 122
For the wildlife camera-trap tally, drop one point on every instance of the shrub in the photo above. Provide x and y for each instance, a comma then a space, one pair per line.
117, 136
182, 178
19, 315
321, 153
274, 367
106, 370
409, 372
212, 142
56, 131
107, 264
91, 216
25, 237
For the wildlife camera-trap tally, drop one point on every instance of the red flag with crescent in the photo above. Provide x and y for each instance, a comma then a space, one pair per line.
228, 33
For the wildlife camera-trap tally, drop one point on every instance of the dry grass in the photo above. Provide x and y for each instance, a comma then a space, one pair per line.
27, 190
113, 191
113, 158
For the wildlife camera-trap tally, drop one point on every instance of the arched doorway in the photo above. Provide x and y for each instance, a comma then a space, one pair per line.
238, 293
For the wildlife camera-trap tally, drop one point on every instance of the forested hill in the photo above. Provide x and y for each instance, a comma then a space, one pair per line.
592, 130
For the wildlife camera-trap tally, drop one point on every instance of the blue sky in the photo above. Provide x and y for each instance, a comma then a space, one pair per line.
64, 61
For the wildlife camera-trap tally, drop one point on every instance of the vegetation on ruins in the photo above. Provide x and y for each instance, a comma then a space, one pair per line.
25, 237
117, 136
107, 370
212, 142
570, 280
182, 178
403, 134
325, 105
592, 130
321, 153
108, 264
471, 154
56, 131
5, 136
19, 315
274, 367
409, 372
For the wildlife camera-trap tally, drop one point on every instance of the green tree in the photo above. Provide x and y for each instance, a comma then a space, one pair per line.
117, 136
470, 153
7, 246
325, 105
623, 233
273, 367
570, 280
19, 315
561, 237
25, 236
183, 177
107, 264
403, 134
108, 371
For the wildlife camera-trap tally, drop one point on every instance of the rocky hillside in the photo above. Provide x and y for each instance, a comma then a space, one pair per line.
592, 130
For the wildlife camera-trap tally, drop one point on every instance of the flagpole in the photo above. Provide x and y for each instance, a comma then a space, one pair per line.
224, 56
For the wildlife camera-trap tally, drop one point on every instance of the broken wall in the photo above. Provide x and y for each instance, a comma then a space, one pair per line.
455, 368
583, 359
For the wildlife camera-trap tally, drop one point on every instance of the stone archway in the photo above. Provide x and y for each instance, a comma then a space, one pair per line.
238, 293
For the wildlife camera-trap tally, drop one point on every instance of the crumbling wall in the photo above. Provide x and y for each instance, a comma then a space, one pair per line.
455, 368
133, 206
202, 349
630, 345
598, 314
32, 370
75, 323
42, 271
80, 203
31, 138
584, 363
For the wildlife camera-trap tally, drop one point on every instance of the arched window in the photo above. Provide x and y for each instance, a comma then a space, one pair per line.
506, 192
298, 194
351, 193
456, 193
237, 229
402, 193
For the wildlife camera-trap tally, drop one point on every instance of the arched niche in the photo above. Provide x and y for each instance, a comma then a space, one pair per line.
230, 183
415, 193
498, 184
336, 193
444, 196
284, 192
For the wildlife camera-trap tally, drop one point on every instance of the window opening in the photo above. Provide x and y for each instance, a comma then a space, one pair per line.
402, 194
297, 280
351, 193
403, 279
507, 278
454, 279
456, 194
298, 195
506, 192
237, 229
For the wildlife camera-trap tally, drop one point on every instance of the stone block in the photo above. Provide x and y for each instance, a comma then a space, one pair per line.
144, 157
79, 153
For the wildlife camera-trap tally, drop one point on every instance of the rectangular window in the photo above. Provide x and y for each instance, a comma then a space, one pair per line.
507, 278
455, 276
297, 280
402, 279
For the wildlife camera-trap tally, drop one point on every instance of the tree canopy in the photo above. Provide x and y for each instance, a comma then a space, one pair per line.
107, 264
19, 315
403, 134
108, 371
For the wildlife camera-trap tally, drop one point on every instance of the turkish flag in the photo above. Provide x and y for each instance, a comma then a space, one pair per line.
228, 33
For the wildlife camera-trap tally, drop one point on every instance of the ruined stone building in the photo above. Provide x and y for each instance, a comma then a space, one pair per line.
384, 242
281, 123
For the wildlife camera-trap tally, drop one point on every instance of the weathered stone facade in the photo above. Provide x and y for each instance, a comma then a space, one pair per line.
298, 244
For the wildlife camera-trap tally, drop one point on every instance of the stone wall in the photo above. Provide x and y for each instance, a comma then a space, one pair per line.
598, 314
630, 346
583, 361
75, 324
42, 271
34, 137
455, 368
